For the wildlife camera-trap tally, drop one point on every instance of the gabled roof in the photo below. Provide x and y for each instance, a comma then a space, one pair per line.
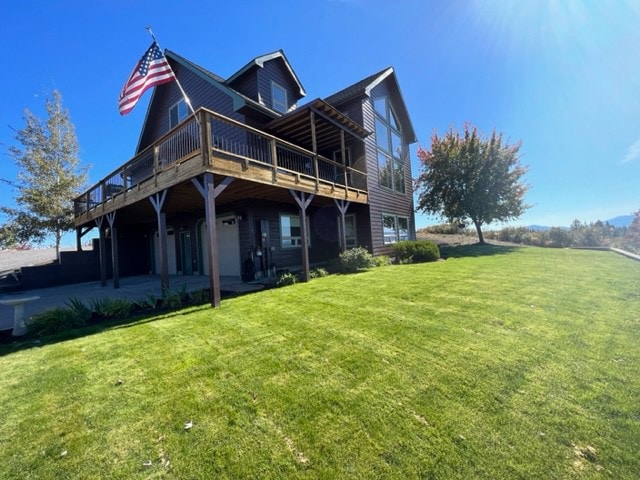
364, 87
261, 60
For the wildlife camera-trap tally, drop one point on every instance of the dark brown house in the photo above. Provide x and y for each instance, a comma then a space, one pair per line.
256, 181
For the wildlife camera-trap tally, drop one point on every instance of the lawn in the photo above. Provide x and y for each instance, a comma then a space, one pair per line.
497, 363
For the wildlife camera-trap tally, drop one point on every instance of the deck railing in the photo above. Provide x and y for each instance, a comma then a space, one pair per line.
229, 138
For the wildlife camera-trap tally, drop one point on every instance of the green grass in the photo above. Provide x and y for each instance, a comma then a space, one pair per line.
496, 364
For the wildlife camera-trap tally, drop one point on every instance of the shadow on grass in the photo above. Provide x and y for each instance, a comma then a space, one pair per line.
9, 344
476, 250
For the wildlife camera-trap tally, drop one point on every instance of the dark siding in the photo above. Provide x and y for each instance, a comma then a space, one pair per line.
275, 70
200, 92
247, 84
382, 200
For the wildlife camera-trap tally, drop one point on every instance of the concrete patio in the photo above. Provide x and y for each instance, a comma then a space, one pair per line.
133, 288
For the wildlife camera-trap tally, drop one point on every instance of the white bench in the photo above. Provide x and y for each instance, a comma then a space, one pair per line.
19, 327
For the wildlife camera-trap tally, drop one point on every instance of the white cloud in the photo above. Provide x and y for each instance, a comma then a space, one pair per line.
633, 153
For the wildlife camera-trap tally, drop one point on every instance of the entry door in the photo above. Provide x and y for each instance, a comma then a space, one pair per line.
229, 263
171, 252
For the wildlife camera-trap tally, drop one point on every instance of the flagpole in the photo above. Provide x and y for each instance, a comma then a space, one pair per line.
186, 99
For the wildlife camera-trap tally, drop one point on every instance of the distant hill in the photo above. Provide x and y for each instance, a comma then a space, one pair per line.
620, 221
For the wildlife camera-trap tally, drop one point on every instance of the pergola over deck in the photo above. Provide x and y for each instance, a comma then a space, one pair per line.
210, 154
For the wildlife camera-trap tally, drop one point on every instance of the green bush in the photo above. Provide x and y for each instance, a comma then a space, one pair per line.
318, 272
55, 320
286, 279
416, 251
356, 259
382, 260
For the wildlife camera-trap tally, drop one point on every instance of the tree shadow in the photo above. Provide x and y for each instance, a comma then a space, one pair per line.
476, 250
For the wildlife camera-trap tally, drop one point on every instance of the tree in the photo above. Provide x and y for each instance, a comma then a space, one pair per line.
49, 176
466, 177
632, 238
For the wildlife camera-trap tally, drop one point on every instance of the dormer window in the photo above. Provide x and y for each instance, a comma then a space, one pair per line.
177, 113
279, 98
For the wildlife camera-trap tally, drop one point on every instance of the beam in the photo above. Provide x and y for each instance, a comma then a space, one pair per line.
111, 218
103, 252
342, 206
303, 200
157, 200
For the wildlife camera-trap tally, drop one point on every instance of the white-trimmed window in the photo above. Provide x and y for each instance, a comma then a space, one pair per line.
290, 231
279, 98
177, 113
395, 228
389, 145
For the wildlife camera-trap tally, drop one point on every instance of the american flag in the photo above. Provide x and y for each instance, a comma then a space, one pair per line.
152, 69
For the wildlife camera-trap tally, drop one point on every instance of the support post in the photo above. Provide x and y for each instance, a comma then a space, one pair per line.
303, 200
79, 239
343, 151
314, 146
342, 206
103, 252
111, 217
157, 201
205, 138
209, 192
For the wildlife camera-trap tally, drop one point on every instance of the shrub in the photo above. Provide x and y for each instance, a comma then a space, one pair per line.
286, 279
55, 320
318, 272
382, 260
416, 251
110, 308
356, 259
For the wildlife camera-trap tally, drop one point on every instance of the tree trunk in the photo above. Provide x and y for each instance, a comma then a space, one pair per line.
58, 240
479, 230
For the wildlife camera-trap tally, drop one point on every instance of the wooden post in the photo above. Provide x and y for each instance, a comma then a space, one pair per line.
314, 146
342, 207
157, 201
303, 202
205, 139
343, 151
212, 239
111, 217
274, 159
209, 192
103, 252
156, 164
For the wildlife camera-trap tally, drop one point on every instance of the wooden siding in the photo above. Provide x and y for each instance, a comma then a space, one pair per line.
383, 200
201, 94
275, 70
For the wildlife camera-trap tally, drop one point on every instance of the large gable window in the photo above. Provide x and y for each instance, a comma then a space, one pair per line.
389, 146
279, 98
177, 113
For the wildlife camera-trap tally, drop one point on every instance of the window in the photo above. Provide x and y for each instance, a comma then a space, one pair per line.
279, 98
290, 231
389, 145
394, 228
350, 230
177, 113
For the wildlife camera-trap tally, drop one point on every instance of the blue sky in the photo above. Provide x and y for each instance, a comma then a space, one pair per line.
562, 76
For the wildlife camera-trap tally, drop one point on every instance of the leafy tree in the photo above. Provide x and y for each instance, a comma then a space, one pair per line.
49, 176
466, 177
632, 237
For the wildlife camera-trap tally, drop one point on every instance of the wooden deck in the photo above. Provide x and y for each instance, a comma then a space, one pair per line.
231, 149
